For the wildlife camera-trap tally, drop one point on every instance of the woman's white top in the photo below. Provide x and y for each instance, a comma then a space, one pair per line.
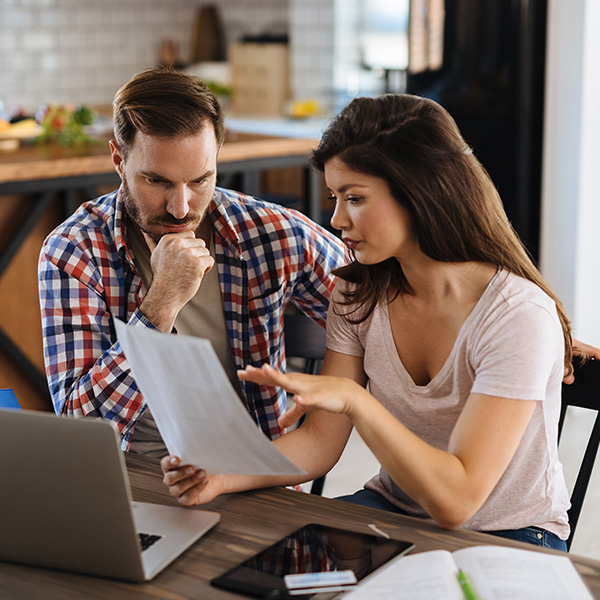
511, 346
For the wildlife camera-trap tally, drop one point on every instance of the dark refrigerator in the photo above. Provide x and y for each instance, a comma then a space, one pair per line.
491, 79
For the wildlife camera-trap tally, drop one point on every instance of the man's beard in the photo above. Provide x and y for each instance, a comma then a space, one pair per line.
133, 212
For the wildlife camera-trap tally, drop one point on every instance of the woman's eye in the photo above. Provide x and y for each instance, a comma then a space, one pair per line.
353, 199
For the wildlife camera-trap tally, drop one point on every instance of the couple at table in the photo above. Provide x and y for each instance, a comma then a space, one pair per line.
436, 307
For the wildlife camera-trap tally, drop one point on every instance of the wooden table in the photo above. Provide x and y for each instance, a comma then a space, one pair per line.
249, 522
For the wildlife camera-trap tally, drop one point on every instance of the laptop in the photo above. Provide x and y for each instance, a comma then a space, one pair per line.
65, 502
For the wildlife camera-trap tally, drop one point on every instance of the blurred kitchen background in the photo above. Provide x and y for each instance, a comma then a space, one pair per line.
519, 76
72, 51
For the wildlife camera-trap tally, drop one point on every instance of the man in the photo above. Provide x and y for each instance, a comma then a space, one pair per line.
171, 251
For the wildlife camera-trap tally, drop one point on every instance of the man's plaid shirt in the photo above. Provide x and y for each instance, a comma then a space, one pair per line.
266, 257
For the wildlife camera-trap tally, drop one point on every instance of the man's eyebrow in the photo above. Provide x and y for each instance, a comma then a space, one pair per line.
206, 175
154, 175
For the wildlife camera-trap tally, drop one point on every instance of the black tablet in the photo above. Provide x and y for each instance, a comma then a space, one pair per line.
335, 557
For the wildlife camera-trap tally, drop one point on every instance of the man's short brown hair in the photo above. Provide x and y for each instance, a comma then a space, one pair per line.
164, 103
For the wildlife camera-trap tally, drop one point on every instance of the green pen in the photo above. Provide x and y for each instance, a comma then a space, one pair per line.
467, 587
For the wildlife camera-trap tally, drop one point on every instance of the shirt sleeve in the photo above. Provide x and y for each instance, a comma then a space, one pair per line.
519, 352
342, 335
322, 252
85, 366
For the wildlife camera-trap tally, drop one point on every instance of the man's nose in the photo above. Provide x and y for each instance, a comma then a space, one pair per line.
178, 202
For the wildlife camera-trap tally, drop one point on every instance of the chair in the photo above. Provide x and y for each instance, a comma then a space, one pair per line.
305, 339
8, 399
583, 393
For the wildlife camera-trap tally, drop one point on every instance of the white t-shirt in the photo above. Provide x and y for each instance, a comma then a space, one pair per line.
511, 346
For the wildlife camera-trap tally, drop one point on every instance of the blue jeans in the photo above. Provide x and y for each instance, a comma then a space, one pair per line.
530, 535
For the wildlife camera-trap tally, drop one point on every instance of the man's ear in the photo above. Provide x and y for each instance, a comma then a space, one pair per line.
117, 157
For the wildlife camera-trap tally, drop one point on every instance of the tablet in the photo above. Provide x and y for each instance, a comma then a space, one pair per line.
331, 560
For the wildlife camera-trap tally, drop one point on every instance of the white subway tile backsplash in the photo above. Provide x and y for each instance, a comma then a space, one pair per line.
84, 50
52, 18
16, 17
49, 62
39, 39
8, 38
36, 3
72, 39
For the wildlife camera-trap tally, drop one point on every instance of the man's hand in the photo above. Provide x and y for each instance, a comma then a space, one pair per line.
179, 262
586, 352
190, 485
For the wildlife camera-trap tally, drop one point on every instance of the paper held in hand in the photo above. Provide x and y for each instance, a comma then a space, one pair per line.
196, 409
495, 573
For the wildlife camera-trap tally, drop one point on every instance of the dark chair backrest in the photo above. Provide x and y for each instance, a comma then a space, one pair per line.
583, 393
305, 339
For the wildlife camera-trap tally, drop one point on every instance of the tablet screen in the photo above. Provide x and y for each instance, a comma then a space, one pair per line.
310, 549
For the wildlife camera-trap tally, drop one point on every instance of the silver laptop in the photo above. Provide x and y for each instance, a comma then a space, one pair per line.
65, 502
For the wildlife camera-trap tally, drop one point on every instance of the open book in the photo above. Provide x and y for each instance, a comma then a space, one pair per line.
495, 573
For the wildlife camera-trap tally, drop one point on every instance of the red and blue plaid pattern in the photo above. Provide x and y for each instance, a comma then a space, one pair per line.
266, 257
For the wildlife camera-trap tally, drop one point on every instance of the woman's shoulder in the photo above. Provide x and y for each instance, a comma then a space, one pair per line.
515, 291
515, 304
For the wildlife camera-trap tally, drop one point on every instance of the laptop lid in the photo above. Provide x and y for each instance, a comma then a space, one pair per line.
65, 501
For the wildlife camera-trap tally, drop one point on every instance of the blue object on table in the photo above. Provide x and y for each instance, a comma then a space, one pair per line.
8, 399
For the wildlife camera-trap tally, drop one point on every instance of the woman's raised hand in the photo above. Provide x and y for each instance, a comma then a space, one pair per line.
311, 392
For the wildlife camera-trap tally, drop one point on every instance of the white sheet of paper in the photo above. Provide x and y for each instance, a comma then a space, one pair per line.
196, 409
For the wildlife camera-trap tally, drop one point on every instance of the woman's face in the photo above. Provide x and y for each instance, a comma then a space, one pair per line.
373, 224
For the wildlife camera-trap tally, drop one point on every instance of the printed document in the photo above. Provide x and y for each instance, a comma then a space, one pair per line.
495, 573
197, 411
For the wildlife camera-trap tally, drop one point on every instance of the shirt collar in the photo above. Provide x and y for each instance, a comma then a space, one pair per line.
120, 228
223, 223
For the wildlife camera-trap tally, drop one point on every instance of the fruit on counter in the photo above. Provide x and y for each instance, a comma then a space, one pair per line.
19, 129
302, 109
64, 124
24, 125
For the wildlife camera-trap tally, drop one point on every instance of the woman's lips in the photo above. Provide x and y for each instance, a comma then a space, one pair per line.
350, 243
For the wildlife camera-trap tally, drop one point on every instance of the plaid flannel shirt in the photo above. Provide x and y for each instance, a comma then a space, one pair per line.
266, 257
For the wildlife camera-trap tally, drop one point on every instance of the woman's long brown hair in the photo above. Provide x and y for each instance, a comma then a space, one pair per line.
414, 145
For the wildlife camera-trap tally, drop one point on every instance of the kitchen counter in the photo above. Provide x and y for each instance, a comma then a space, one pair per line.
32, 162
278, 126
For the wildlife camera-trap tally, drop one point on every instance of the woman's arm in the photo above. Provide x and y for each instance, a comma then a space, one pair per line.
315, 446
450, 485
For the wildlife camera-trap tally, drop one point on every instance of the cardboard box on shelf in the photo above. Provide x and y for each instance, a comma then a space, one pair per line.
260, 78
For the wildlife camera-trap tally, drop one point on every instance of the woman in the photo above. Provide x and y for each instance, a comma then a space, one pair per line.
461, 341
